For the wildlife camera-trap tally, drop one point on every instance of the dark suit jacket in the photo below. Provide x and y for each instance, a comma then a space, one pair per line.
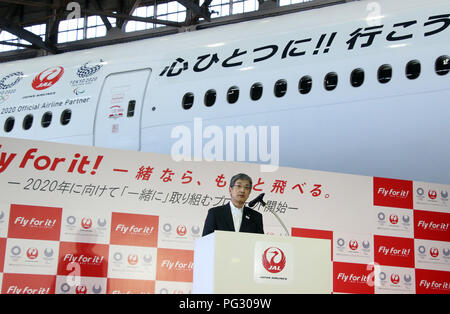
220, 218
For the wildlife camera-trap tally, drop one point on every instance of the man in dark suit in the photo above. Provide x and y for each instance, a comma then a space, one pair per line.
234, 215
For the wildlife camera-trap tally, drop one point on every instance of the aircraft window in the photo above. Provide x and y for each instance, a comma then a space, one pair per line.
305, 85
65, 116
357, 77
131, 105
46, 119
331, 81
27, 122
280, 88
256, 91
413, 69
210, 98
188, 101
9, 124
442, 65
384, 73
233, 94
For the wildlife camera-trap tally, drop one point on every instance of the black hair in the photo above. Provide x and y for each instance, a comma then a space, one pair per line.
240, 176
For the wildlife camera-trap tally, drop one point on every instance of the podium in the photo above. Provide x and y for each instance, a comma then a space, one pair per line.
234, 262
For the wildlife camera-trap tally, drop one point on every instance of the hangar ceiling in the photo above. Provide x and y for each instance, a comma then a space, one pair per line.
17, 16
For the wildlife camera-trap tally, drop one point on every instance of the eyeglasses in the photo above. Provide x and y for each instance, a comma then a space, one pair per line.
245, 187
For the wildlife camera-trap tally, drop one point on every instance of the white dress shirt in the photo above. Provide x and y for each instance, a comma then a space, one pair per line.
237, 216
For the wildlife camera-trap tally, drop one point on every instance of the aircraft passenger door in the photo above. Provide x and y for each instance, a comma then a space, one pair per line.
118, 117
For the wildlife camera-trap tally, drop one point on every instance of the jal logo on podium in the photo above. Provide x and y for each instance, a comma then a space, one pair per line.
273, 263
274, 260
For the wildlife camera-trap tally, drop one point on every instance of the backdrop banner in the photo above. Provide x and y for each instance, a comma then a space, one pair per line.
77, 219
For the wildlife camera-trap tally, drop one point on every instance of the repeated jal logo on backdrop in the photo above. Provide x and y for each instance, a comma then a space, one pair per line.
132, 262
86, 285
85, 227
431, 196
394, 221
432, 254
25, 256
352, 248
394, 279
86, 223
178, 234
181, 230
32, 253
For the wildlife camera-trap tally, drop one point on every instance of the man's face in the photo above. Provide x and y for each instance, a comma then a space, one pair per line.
240, 192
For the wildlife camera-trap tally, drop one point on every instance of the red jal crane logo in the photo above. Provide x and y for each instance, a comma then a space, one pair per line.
432, 194
353, 245
47, 78
133, 259
393, 219
395, 279
181, 230
434, 252
274, 260
32, 253
86, 223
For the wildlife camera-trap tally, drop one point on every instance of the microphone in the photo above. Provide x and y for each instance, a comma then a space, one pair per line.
258, 199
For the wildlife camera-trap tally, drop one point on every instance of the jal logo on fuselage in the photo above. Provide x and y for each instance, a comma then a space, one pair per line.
47, 78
